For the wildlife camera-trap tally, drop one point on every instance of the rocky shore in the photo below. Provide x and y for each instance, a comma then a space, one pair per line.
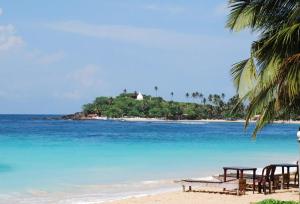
79, 116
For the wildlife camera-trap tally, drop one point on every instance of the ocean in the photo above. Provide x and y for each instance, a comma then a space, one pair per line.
64, 161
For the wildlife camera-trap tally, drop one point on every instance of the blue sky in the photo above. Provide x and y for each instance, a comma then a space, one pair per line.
57, 55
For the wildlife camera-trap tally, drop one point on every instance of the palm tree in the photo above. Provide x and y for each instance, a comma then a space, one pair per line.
201, 97
269, 80
156, 89
172, 94
125, 91
187, 95
210, 98
222, 96
194, 95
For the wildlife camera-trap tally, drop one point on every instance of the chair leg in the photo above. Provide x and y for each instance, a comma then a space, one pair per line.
265, 188
296, 179
259, 187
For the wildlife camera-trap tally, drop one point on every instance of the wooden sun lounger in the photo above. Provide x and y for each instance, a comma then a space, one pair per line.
237, 185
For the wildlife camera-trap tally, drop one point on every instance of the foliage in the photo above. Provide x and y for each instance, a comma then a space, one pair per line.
271, 201
269, 80
126, 105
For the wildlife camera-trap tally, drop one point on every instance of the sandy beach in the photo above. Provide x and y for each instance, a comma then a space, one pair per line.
207, 198
139, 119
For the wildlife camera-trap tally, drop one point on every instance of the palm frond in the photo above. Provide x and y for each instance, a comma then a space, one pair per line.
270, 78
244, 76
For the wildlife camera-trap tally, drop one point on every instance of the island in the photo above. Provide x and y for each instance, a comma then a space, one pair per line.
136, 105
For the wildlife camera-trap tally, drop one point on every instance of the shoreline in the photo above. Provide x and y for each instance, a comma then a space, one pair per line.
139, 119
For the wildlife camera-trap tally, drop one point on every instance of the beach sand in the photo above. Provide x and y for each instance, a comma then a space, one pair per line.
207, 198
139, 119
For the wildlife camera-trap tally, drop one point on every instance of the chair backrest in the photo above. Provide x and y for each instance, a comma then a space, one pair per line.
268, 173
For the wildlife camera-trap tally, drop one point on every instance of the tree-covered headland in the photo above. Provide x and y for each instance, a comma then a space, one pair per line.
196, 107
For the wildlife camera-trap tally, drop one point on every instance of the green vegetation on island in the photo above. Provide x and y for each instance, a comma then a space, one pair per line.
196, 107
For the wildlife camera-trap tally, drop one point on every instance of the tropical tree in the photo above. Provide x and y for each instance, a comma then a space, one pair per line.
222, 96
172, 94
89, 108
201, 97
156, 89
125, 91
194, 95
269, 80
210, 98
187, 95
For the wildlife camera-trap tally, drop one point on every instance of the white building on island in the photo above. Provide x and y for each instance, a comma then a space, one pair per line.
139, 97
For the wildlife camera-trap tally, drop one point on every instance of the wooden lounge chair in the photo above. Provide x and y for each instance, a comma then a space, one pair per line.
267, 179
237, 185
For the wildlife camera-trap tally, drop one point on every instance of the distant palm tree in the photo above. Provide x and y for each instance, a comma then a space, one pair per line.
172, 94
223, 96
204, 100
156, 89
210, 98
200, 96
125, 91
194, 95
216, 99
187, 95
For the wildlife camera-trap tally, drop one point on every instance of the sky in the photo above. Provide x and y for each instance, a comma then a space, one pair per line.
57, 55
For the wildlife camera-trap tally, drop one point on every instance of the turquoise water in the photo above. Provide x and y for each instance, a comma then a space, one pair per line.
58, 161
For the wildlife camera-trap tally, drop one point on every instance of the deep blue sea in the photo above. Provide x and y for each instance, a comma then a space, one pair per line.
64, 161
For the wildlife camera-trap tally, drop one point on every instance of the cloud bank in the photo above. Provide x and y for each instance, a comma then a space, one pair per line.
149, 37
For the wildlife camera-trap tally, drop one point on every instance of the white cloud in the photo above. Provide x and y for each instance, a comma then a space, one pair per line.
221, 9
86, 77
38, 57
174, 9
8, 38
150, 37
